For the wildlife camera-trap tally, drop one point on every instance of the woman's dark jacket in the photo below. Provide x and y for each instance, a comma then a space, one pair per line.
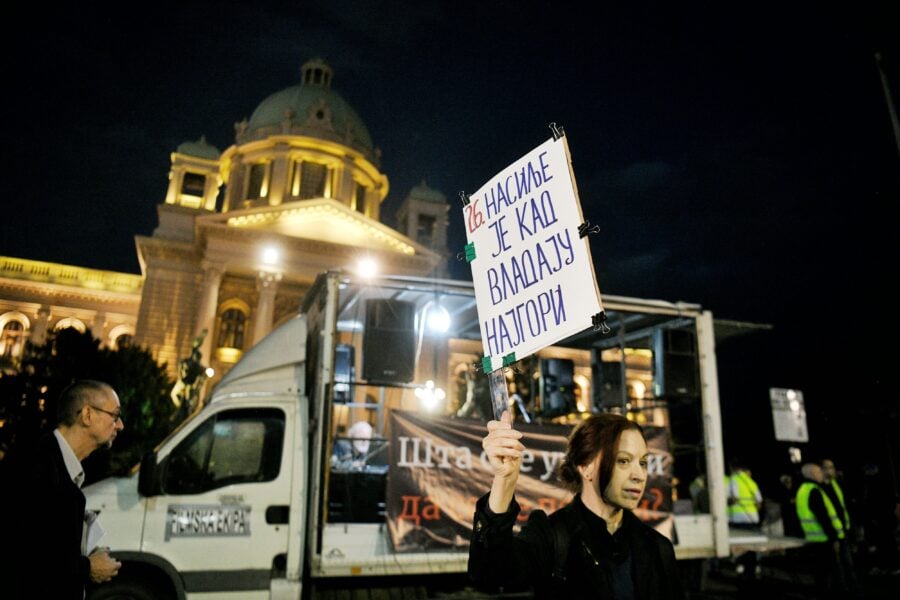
636, 562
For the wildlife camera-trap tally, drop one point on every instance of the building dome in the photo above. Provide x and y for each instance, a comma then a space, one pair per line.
429, 194
199, 149
312, 109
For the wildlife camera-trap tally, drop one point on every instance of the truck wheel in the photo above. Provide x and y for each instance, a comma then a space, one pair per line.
124, 590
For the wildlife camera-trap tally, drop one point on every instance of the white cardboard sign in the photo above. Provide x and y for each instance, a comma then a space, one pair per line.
533, 275
788, 415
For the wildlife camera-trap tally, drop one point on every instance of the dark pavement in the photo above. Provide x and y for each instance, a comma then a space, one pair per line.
785, 576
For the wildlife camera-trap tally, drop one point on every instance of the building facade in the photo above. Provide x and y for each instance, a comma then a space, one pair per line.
241, 236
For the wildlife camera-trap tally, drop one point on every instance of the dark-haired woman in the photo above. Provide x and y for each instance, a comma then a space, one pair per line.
594, 547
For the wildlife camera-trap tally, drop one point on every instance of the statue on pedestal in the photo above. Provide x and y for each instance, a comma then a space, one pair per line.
191, 376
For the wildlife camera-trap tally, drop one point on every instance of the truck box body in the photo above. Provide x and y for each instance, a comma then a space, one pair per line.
264, 494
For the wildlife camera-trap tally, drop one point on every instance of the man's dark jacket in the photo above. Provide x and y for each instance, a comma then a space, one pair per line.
47, 514
593, 560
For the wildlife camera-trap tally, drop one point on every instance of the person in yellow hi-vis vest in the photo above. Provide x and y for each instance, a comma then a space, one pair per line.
744, 504
824, 531
835, 493
743, 497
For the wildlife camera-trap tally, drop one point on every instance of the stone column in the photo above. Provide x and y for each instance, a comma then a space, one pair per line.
234, 191
98, 328
211, 190
278, 176
39, 331
267, 284
176, 177
209, 300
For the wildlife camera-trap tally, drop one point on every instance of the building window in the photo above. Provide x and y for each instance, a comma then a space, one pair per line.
311, 180
257, 181
231, 329
360, 198
12, 339
120, 336
193, 184
123, 341
70, 322
425, 229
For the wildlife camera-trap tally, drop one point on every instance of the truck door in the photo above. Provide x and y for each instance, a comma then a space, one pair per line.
222, 517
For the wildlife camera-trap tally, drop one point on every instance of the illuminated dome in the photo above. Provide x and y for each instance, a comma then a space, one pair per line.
311, 109
200, 149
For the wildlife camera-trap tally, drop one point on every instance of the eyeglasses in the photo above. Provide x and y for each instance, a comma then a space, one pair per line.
116, 416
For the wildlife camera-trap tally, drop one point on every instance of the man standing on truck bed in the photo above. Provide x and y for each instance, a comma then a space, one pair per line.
743, 497
47, 517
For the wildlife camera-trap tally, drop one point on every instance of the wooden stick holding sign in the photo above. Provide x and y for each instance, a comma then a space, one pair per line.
499, 394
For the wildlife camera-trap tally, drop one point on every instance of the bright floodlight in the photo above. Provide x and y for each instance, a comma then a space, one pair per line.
367, 268
270, 255
429, 395
438, 318
210, 372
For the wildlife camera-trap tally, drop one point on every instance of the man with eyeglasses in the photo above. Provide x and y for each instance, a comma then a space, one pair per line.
51, 559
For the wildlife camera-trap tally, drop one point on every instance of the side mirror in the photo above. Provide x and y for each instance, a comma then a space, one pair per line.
148, 478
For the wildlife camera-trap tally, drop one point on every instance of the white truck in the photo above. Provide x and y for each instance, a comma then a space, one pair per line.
253, 498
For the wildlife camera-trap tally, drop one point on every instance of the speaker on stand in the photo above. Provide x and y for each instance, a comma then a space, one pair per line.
389, 341
344, 368
557, 387
675, 365
608, 389
676, 381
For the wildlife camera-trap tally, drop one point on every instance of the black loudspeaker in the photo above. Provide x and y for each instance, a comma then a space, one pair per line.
685, 423
608, 388
357, 497
344, 359
389, 341
557, 387
675, 367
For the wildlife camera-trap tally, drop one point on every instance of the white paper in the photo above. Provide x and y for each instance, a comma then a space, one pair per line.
93, 532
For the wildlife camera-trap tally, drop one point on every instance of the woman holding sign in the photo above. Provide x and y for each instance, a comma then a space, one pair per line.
592, 548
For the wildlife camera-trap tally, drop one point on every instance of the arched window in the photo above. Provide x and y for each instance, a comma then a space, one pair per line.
70, 322
231, 329
120, 336
124, 340
12, 339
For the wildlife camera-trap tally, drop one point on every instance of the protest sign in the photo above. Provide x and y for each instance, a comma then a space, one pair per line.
532, 271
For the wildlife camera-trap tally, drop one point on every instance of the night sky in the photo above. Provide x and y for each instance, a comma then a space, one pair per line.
739, 156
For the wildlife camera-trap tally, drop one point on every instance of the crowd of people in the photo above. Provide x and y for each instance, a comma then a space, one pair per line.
814, 506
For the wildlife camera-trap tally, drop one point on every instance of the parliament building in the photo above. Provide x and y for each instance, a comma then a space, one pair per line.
241, 235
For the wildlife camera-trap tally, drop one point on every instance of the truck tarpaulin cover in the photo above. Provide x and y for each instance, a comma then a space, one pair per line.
437, 472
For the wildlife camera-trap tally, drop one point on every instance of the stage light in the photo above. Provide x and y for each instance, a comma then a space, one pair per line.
270, 255
438, 318
367, 267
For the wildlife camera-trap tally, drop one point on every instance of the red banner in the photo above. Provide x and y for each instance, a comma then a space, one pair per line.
438, 470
